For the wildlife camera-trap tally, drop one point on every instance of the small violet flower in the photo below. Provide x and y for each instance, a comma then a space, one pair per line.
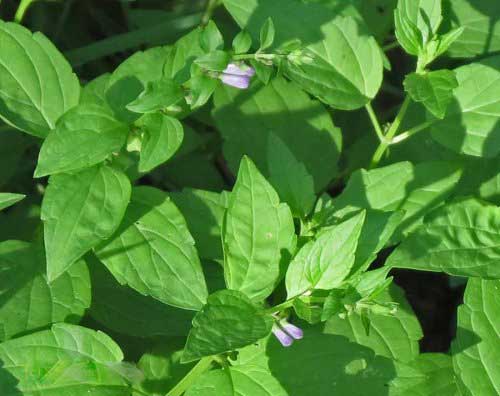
286, 333
237, 76
285, 339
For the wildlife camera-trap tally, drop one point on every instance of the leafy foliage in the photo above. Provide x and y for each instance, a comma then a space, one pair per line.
247, 197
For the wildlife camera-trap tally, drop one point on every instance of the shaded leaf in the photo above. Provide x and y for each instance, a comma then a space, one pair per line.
27, 301
461, 238
214, 331
153, 252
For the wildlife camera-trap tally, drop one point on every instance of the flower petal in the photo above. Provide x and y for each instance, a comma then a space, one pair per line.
239, 70
241, 82
282, 337
294, 331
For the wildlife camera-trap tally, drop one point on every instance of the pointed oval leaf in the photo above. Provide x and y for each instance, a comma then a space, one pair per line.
247, 119
414, 189
472, 123
65, 359
475, 349
9, 199
325, 262
395, 337
124, 310
204, 214
162, 138
37, 84
346, 70
28, 301
154, 253
214, 329
433, 89
461, 238
416, 22
258, 234
79, 211
290, 178
84, 136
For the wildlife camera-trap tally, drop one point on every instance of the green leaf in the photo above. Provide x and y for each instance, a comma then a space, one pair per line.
290, 177
310, 313
481, 24
415, 189
131, 78
461, 238
213, 383
246, 119
126, 311
84, 136
433, 374
211, 38
262, 71
242, 42
325, 262
475, 349
162, 367
27, 301
182, 55
9, 199
162, 137
471, 125
37, 84
201, 89
258, 234
204, 214
214, 61
395, 337
94, 92
153, 252
378, 15
244, 380
377, 230
439, 45
416, 23
65, 358
267, 34
325, 364
195, 170
338, 75
213, 329
433, 89
158, 95
79, 211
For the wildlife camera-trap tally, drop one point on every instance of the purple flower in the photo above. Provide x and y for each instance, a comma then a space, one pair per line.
237, 76
286, 332
282, 337
294, 331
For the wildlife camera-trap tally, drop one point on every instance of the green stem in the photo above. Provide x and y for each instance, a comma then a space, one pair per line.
135, 390
375, 123
390, 133
412, 131
255, 56
280, 307
188, 380
390, 46
21, 10
209, 11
